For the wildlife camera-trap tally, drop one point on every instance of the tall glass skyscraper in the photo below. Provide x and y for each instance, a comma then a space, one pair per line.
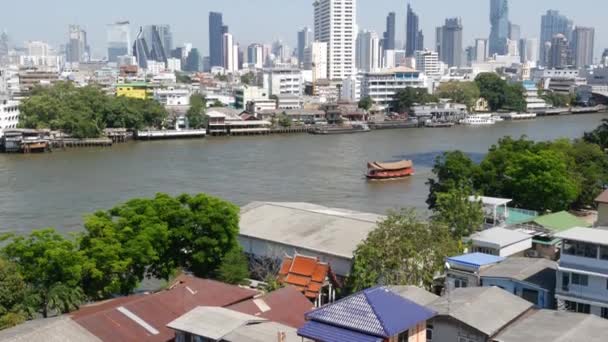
450, 51
119, 40
216, 37
388, 41
553, 24
499, 34
304, 41
412, 32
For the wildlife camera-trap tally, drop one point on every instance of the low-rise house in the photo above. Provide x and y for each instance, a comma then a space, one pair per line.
375, 315
498, 214
582, 277
228, 121
501, 242
530, 279
464, 270
287, 101
313, 278
415, 294
475, 314
555, 326
275, 230
56, 329
306, 116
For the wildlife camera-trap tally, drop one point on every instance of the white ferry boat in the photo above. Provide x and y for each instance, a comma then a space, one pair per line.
520, 116
478, 120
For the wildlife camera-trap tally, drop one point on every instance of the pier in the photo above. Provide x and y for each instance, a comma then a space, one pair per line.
71, 143
155, 135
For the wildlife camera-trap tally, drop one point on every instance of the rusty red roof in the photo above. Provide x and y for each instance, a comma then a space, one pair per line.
286, 306
603, 197
144, 317
308, 274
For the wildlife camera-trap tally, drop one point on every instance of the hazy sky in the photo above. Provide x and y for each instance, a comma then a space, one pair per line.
268, 20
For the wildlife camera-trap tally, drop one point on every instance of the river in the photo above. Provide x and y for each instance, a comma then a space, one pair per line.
57, 189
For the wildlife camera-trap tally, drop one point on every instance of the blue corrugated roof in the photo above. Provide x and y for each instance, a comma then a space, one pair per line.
328, 333
376, 311
476, 259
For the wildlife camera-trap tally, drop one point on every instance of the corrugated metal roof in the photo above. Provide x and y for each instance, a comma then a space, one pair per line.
212, 322
327, 333
500, 236
540, 272
560, 221
57, 329
476, 259
591, 235
262, 332
603, 197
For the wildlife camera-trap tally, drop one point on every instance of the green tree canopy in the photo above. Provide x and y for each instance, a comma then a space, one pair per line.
366, 103
406, 98
460, 92
500, 94
234, 269
196, 114
248, 78
13, 293
456, 211
452, 170
403, 250
598, 136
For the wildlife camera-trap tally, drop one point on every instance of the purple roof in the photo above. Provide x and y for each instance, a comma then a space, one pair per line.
376, 311
476, 259
328, 333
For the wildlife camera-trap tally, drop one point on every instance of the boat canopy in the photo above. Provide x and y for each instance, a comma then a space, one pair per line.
400, 165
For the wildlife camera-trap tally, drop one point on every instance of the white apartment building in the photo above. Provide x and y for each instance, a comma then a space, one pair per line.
174, 64
37, 48
255, 55
9, 115
428, 62
335, 25
382, 86
582, 276
394, 59
368, 52
283, 81
246, 94
481, 50
351, 88
172, 96
231, 54
315, 59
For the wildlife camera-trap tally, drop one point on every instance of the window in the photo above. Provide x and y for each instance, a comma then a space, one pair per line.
429, 332
604, 252
403, 337
580, 279
581, 249
565, 281
578, 307
604, 314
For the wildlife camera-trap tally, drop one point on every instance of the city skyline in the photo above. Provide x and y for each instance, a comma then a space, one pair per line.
192, 25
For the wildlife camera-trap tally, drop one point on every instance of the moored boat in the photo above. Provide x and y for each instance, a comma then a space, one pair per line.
389, 170
478, 120
355, 128
520, 116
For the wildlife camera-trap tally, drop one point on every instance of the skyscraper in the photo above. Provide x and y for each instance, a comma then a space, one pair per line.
304, 40
255, 55
559, 53
428, 62
451, 42
119, 40
156, 38
216, 38
552, 23
368, 51
582, 46
315, 59
499, 19
481, 50
193, 61
335, 25
77, 49
3, 44
412, 32
388, 39
140, 50
230, 62
528, 50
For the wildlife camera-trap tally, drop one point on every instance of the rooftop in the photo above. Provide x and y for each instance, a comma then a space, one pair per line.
212, 322
263, 332
500, 236
307, 274
476, 260
603, 197
559, 221
306, 226
473, 306
415, 294
539, 272
490, 201
591, 235
58, 329
556, 326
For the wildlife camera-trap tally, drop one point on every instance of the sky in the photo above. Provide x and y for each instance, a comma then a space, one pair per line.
264, 21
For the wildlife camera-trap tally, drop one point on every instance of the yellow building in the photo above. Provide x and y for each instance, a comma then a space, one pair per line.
134, 90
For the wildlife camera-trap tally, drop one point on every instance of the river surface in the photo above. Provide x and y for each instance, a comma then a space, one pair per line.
57, 189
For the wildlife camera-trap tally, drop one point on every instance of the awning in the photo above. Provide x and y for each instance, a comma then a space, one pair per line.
329, 333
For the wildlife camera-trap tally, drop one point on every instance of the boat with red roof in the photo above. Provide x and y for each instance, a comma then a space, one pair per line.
389, 170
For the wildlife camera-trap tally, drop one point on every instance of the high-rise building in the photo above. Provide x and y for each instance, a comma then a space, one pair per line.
77, 49
228, 53
582, 46
3, 44
368, 52
428, 62
156, 36
119, 40
481, 50
450, 51
216, 38
438, 39
552, 23
304, 40
514, 32
499, 19
140, 50
193, 61
528, 50
559, 53
335, 25
388, 39
413, 34
37, 48
255, 55
315, 59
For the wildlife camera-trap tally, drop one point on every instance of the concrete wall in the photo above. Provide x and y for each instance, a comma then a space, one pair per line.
516, 248
602, 215
544, 300
446, 329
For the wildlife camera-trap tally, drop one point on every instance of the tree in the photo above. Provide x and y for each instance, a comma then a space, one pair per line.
492, 88
248, 78
182, 78
460, 92
284, 120
409, 96
456, 211
234, 269
196, 116
48, 261
598, 136
13, 293
452, 170
403, 250
366, 103
514, 97
590, 167
217, 103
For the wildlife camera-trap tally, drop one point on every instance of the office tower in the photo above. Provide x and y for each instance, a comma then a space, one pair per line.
559, 52
514, 32
77, 49
37, 48
368, 51
216, 38
428, 62
552, 24
388, 39
194, 61
315, 59
499, 19
155, 37
481, 50
528, 50
451, 42
335, 25
140, 50
119, 40
255, 55
582, 46
304, 40
412, 32
605, 58
165, 37
470, 55
438, 39
228, 53
420, 41
3, 44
